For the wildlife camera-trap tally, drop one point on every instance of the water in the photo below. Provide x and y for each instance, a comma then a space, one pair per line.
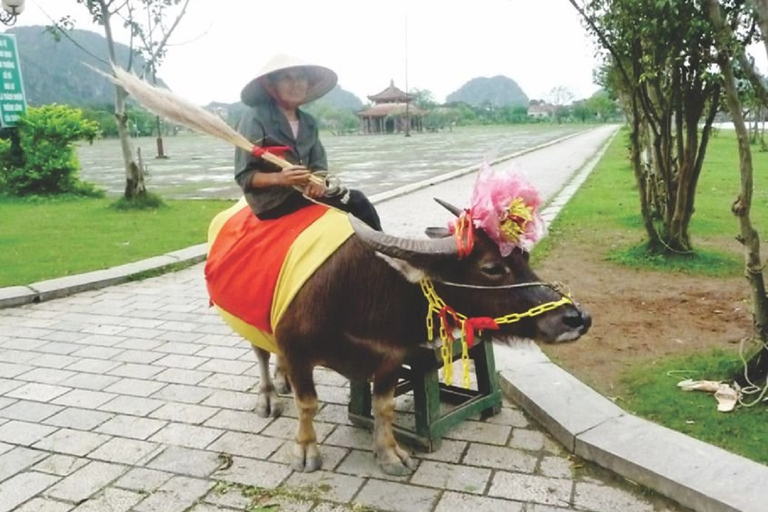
202, 167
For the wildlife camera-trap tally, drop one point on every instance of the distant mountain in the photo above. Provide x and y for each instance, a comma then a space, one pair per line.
499, 91
342, 100
53, 72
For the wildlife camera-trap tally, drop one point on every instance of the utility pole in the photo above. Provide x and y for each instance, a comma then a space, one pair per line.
407, 99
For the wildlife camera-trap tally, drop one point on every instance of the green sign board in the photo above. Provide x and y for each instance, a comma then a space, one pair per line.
13, 103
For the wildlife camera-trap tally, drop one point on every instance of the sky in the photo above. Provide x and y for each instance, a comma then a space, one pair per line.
436, 45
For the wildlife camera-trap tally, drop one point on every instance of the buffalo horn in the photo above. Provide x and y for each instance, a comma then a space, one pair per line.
448, 206
408, 249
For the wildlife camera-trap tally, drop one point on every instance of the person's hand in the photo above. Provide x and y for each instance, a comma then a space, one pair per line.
315, 190
295, 175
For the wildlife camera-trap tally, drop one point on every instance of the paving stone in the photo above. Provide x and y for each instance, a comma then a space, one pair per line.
328, 486
5, 447
111, 500
33, 412
189, 436
135, 370
176, 495
333, 394
46, 375
136, 406
606, 499
55, 361
38, 392
135, 387
333, 413
83, 398
96, 352
18, 459
44, 505
231, 400
247, 445
182, 376
556, 467
23, 433
90, 381
137, 356
71, 442
60, 465
131, 426
125, 451
184, 413
454, 502
524, 439
500, 458
350, 437
22, 487
530, 488
140, 344
143, 480
480, 432
182, 393
11, 370
80, 419
247, 471
452, 476
285, 428
397, 497
225, 366
360, 463
185, 461
238, 421
98, 366
86, 481
7, 385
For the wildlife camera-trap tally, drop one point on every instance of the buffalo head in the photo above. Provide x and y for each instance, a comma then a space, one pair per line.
483, 283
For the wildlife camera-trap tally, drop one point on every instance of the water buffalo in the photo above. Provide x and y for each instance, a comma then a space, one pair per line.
363, 310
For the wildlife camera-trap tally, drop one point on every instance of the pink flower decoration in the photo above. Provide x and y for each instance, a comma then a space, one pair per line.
505, 205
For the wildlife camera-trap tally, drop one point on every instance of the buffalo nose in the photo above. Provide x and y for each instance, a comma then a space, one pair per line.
578, 319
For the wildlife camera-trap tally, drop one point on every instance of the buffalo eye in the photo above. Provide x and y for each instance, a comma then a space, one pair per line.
494, 269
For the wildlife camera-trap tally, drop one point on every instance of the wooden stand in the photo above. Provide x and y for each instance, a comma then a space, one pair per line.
420, 375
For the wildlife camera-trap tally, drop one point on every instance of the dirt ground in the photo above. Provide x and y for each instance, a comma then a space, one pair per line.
640, 316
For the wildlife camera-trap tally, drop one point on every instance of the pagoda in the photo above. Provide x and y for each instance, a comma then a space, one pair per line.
391, 112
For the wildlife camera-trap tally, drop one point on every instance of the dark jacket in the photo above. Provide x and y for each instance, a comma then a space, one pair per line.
265, 125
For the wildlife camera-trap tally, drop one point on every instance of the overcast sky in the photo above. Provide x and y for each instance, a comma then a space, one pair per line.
436, 45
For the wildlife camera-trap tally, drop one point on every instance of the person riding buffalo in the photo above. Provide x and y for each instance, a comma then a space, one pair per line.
274, 120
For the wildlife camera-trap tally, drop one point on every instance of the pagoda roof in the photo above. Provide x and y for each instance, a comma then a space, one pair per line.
391, 95
391, 109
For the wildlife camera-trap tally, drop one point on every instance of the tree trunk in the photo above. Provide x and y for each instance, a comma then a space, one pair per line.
757, 368
134, 174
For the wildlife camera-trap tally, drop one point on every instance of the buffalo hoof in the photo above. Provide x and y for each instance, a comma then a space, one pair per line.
306, 458
268, 404
396, 462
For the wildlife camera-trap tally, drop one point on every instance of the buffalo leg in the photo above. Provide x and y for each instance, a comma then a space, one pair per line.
392, 459
306, 457
268, 403
282, 384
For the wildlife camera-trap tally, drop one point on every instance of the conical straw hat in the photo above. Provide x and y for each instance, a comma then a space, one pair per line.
321, 79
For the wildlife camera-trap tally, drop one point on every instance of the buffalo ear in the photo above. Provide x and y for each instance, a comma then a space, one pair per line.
437, 232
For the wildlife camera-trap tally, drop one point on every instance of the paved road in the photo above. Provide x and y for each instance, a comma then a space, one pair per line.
138, 397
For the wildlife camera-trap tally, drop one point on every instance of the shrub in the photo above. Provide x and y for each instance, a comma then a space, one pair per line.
50, 164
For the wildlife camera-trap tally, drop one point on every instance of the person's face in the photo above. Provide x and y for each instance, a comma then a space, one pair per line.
291, 86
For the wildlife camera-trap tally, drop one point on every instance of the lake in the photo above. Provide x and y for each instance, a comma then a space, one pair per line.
202, 167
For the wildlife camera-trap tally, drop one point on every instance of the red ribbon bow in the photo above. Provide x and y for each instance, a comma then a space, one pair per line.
479, 323
259, 151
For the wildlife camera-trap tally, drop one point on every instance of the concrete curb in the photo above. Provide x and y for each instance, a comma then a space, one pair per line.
14, 296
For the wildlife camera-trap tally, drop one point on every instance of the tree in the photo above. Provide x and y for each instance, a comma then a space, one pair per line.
660, 57
132, 13
730, 50
560, 97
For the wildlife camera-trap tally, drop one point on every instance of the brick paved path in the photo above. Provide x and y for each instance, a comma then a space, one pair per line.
138, 397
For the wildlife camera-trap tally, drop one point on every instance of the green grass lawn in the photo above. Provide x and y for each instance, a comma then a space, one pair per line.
606, 207
51, 238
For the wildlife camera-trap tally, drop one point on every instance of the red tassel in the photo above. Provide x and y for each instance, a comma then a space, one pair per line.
259, 151
479, 323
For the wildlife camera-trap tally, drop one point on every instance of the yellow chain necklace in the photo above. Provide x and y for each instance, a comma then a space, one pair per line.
438, 307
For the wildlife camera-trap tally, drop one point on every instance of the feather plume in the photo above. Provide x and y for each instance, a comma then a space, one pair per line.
170, 106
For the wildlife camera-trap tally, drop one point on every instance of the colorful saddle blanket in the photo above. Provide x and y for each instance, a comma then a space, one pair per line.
255, 267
